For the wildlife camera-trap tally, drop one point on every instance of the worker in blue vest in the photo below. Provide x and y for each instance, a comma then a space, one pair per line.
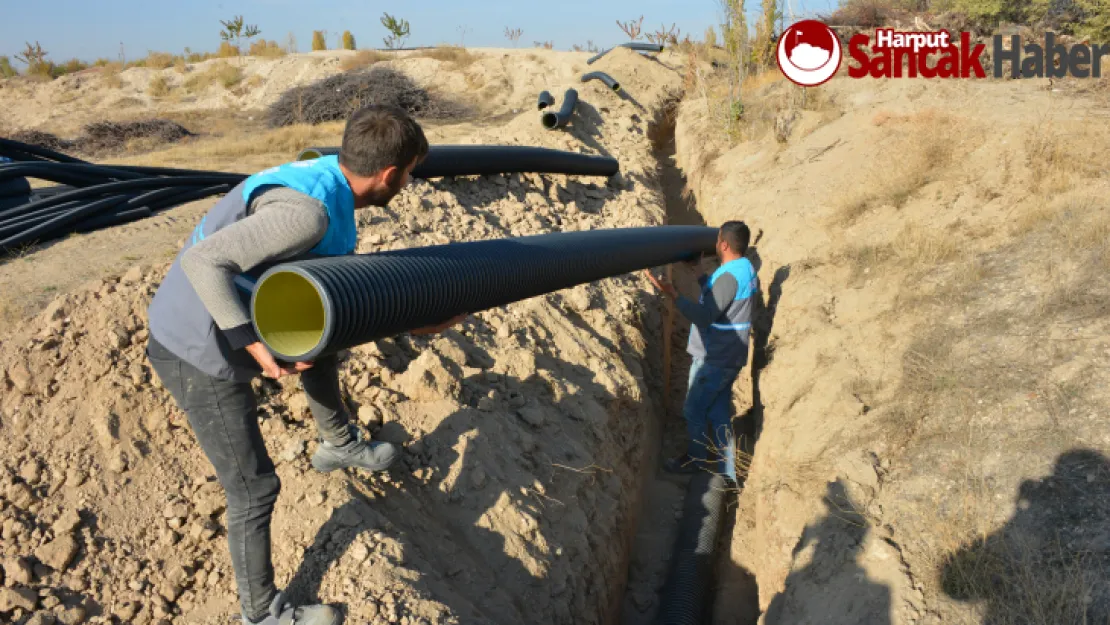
205, 351
720, 331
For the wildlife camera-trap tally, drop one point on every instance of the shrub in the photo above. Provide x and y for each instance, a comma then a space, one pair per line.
456, 56
336, 97
158, 60
266, 48
348, 40
6, 69
226, 50
361, 59
158, 86
220, 73
102, 136
318, 41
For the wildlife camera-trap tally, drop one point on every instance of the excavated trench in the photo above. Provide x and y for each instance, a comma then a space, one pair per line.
663, 495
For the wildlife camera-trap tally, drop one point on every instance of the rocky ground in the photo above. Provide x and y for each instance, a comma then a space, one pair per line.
523, 429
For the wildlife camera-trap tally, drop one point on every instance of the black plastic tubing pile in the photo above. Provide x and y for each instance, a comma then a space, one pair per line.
88, 196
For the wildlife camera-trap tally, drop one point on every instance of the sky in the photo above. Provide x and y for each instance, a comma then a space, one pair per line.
89, 30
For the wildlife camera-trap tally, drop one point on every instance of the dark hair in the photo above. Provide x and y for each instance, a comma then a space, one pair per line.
737, 235
380, 136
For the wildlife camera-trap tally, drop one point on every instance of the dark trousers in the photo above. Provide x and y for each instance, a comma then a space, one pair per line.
224, 417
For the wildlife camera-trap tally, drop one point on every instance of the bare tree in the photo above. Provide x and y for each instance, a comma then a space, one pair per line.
631, 28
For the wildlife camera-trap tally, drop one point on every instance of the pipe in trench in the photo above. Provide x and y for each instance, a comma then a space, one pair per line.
545, 100
475, 160
603, 77
558, 119
685, 597
308, 308
631, 45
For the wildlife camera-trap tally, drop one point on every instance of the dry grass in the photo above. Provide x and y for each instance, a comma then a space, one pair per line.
917, 150
223, 74
159, 87
109, 75
361, 59
244, 147
158, 60
266, 49
455, 56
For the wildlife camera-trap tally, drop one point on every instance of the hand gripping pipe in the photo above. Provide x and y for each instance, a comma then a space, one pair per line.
305, 309
603, 77
631, 45
685, 597
557, 119
545, 100
474, 160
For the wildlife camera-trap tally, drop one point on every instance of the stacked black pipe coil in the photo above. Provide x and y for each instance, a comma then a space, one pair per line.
557, 119
685, 597
371, 296
88, 196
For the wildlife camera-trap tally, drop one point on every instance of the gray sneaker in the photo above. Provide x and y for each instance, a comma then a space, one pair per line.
282, 613
358, 454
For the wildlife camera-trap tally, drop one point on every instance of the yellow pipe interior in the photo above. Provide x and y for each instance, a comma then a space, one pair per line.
289, 313
308, 155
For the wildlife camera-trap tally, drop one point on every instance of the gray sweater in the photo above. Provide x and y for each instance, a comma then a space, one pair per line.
281, 223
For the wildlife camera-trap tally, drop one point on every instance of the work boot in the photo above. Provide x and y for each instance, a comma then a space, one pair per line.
358, 454
681, 464
282, 613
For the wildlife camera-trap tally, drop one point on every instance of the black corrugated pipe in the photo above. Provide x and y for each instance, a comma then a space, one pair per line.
545, 100
631, 45
557, 119
603, 77
18, 187
474, 160
309, 308
685, 597
8, 146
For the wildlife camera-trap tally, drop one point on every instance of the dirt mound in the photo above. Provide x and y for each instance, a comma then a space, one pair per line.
42, 139
523, 434
334, 98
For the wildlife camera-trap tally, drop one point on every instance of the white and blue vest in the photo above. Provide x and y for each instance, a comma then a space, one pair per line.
177, 317
725, 342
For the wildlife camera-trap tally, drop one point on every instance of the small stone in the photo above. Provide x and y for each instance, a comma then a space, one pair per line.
204, 529
126, 611
117, 338
133, 276
20, 376
359, 553
176, 510
41, 618
17, 571
504, 332
477, 477
21, 496
66, 523
31, 471
316, 498
213, 579
58, 553
75, 477
486, 404
170, 592
369, 415
72, 616
21, 598
293, 450
532, 416
117, 461
210, 506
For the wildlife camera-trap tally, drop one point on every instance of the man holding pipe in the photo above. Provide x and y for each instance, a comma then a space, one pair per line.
720, 330
204, 349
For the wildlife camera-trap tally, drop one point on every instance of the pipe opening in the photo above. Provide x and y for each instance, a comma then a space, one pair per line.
550, 120
308, 154
289, 313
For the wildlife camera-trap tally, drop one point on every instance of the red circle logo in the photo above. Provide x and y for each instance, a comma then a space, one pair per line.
809, 53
